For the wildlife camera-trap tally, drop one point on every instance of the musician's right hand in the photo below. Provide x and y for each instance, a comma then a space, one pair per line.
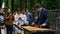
33, 23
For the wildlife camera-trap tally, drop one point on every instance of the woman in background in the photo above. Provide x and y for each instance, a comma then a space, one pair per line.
9, 22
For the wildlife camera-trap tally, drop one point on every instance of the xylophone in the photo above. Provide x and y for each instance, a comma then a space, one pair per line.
36, 30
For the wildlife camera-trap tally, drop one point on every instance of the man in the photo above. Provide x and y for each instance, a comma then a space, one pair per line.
41, 20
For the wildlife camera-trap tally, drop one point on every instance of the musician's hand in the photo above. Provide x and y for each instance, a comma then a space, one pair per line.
33, 23
44, 24
36, 26
19, 18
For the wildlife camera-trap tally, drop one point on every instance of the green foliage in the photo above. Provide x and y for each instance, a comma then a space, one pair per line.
28, 4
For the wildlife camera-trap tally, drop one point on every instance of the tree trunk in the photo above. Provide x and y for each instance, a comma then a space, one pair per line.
12, 5
0, 3
20, 4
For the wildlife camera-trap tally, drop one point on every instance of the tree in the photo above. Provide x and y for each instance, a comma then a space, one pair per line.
0, 3
12, 5
28, 4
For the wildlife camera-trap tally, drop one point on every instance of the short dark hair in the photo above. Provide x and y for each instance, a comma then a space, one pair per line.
36, 6
18, 9
24, 10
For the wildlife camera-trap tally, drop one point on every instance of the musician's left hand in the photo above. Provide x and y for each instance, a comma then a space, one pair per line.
44, 24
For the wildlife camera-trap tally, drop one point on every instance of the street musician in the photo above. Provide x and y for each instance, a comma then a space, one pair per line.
42, 18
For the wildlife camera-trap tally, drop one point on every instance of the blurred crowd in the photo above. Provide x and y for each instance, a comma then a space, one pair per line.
19, 18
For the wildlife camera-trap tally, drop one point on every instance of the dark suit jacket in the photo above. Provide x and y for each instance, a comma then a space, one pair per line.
42, 17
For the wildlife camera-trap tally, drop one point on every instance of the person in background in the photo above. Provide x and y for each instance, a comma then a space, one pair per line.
18, 20
9, 22
2, 17
24, 17
28, 14
42, 18
2, 10
2, 20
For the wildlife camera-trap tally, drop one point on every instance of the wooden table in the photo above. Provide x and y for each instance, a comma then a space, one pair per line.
35, 30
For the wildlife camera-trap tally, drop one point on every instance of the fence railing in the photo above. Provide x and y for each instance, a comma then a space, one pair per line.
55, 20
